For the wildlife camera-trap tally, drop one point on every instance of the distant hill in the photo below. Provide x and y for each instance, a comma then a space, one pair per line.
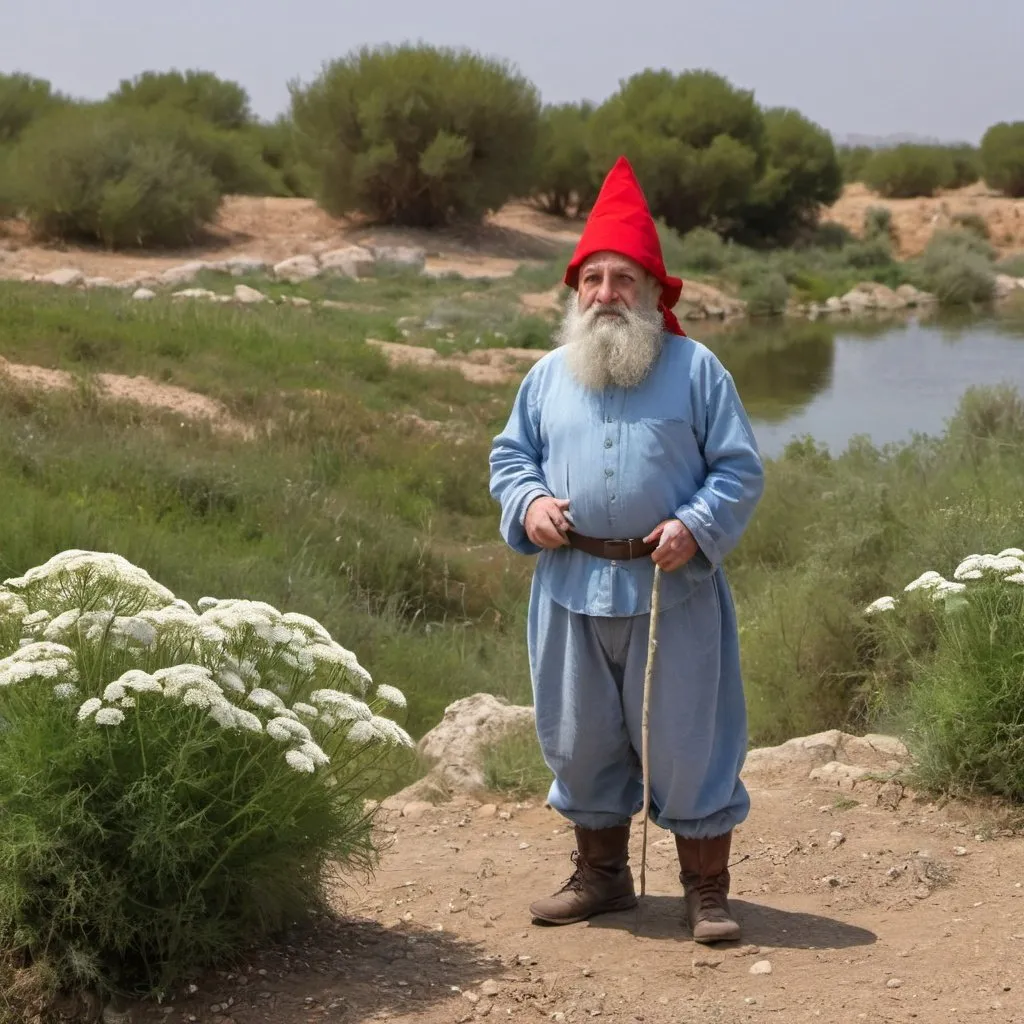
896, 139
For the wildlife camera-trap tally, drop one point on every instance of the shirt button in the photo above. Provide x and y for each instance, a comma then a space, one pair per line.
608, 442
612, 498
609, 472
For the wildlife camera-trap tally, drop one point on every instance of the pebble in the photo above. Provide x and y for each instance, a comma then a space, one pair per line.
707, 961
490, 987
142, 294
486, 811
894, 983
415, 809
959, 851
247, 295
761, 967
835, 839
471, 996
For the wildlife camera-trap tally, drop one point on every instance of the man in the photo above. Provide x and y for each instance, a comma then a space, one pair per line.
628, 447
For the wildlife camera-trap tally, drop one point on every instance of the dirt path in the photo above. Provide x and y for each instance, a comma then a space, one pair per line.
890, 909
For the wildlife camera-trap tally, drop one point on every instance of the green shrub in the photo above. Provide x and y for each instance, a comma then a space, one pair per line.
701, 249
908, 171
972, 222
121, 180
279, 149
418, 135
24, 99
696, 142
966, 161
852, 161
768, 295
563, 179
515, 766
957, 266
1002, 157
801, 175
828, 234
961, 709
1012, 265
197, 93
175, 785
8, 202
878, 224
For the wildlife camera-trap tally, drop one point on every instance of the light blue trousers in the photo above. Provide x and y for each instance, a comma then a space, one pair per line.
588, 683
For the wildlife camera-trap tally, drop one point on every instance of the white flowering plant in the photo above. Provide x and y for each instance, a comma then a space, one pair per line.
175, 782
962, 707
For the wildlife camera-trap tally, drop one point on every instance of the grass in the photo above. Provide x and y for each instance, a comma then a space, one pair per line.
514, 765
385, 531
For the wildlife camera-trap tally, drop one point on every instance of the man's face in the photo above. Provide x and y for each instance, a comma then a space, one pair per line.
610, 280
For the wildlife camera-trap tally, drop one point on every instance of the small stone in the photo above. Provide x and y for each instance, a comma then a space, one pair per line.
65, 278
833, 881
248, 296
471, 996
959, 851
298, 300
761, 967
186, 273
835, 839
415, 809
894, 983
490, 988
711, 961
486, 811
750, 1001
524, 846
296, 269
193, 293
143, 294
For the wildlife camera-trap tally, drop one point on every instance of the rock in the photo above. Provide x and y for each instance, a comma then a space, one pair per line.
857, 301
400, 257
415, 809
239, 265
959, 851
353, 261
186, 273
297, 300
835, 839
297, 268
143, 294
490, 988
834, 305
486, 811
456, 745
1005, 286
98, 282
885, 297
194, 293
894, 983
65, 277
761, 967
836, 773
248, 296
797, 757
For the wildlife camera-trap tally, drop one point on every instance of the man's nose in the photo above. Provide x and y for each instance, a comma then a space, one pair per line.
606, 293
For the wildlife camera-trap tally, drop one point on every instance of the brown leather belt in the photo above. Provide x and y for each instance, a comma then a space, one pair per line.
617, 550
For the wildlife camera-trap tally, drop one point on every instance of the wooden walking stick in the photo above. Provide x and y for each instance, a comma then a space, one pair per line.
645, 726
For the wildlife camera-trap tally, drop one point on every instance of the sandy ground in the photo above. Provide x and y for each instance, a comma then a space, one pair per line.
276, 228
890, 909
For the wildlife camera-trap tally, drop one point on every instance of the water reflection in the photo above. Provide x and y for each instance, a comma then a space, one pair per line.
886, 380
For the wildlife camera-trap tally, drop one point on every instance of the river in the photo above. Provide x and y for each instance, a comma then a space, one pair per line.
885, 381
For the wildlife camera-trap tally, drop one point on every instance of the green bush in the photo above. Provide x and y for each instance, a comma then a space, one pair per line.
957, 266
418, 135
701, 249
696, 142
961, 709
768, 295
878, 224
1012, 265
972, 222
802, 174
175, 785
563, 179
122, 180
24, 99
908, 171
1002, 157
966, 166
852, 161
279, 150
828, 234
198, 93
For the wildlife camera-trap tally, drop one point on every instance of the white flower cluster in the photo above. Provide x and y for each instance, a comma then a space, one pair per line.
59, 577
248, 641
39, 661
1008, 564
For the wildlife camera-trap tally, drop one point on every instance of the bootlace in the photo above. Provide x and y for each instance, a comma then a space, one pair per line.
710, 890
574, 883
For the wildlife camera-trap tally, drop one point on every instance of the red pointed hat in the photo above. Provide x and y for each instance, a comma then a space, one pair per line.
621, 222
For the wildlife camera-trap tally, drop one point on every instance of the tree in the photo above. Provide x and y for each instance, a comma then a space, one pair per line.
564, 179
1002, 157
200, 93
802, 175
23, 99
418, 135
696, 142
910, 170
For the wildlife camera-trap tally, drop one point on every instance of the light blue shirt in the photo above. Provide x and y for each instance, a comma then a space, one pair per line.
679, 444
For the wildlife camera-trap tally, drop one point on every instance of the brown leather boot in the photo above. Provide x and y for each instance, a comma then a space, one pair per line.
705, 878
602, 881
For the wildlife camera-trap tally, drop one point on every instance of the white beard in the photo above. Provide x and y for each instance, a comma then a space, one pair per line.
616, 351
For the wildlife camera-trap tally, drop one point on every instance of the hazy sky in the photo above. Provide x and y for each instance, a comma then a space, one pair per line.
929, 67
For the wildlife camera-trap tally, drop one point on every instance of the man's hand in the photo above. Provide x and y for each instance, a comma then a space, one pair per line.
676, 545
545, 522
